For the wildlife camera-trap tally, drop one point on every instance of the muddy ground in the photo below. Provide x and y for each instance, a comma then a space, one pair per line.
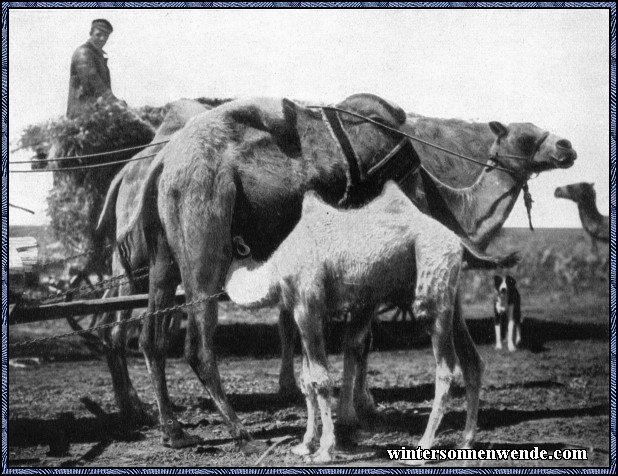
553, 394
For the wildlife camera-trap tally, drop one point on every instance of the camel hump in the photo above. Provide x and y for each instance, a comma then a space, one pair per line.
278, 117
178, 114
371, 105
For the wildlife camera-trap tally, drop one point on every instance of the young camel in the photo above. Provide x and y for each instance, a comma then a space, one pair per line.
317, 271
595, 224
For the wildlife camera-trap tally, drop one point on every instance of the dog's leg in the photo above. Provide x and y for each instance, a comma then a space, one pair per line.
510, 336
498, 329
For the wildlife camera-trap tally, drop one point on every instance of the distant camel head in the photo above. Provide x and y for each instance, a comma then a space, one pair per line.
582, 192
526, 148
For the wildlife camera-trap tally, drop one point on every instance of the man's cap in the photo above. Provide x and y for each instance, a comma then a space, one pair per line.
102, 24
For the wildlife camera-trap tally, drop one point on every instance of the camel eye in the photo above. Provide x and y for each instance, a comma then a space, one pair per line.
525, 143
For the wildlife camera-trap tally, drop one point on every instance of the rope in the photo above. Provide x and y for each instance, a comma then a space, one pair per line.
21, 208
103, 285
143, 316
528, 202
430, 144
88, 156
81, 167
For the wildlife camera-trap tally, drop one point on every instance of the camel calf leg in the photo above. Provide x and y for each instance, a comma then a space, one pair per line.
316, 380
472, 368
287, 336
354, 398
312, 433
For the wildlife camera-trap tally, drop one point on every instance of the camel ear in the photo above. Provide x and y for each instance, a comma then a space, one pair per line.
498, 128
497, 281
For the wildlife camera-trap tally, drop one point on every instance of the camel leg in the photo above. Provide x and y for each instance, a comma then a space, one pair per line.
446, 361
312, 433
436, 291
472, 368
131, 407
356, 345
310, 326
287, 337
163, 280
363, 400
204, 254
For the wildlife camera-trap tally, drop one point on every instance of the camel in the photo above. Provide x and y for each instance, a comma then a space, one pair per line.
595, 224
317, 271
474, 206
121, 198
242, 169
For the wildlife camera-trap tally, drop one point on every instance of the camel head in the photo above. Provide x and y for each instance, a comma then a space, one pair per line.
578, 192
527, 149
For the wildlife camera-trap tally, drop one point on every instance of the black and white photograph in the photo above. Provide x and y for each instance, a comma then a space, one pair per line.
308, 235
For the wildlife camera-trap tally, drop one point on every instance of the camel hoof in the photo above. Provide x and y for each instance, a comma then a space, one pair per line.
252, 447
182, 440
322, 457
302, 449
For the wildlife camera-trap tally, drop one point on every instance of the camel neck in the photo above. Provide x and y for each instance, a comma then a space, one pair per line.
590, 216
472, 201
480, 210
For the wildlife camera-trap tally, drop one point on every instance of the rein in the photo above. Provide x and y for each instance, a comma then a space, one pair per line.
331, 117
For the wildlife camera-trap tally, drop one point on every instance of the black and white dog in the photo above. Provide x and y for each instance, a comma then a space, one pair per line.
507, 307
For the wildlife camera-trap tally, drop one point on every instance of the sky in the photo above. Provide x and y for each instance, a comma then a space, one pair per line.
549, 67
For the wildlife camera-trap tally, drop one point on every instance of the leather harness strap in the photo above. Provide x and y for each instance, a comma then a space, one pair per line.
355, 172
398, 164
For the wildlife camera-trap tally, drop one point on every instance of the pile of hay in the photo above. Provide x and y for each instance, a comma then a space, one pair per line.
77, 198
75, 202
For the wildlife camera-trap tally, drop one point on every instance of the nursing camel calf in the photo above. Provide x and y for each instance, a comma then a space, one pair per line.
357, 259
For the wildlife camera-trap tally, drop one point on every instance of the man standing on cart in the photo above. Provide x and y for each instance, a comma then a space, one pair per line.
90, 78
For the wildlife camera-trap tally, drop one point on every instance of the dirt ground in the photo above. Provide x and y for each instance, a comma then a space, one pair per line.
554, 395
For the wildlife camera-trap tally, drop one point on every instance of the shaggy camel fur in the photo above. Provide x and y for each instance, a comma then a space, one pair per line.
595, 224
396, 251
242, 169
121, 199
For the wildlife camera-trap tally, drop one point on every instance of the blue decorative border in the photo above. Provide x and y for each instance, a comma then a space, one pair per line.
612, 37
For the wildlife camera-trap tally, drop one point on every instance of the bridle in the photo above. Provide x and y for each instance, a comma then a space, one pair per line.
356, 175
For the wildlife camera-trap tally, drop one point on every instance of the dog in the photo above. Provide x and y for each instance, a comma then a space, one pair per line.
507, 306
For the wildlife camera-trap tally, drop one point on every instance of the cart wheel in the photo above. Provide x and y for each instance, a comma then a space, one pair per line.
396, 312
81, 323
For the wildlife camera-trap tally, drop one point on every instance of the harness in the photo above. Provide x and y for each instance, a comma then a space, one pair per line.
397, 165
403, 160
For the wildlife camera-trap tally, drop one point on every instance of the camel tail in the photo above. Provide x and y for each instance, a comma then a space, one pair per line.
476, 259
107, 218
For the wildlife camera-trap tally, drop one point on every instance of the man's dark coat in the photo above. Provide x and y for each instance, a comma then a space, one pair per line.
90, 78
